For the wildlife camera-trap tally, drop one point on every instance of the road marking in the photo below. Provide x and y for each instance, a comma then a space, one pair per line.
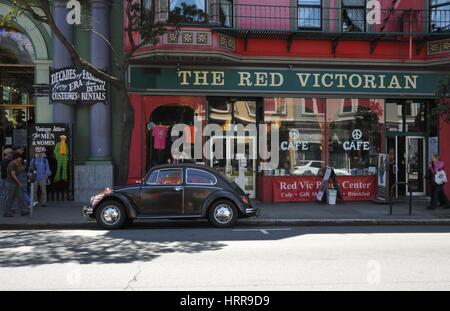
264, 231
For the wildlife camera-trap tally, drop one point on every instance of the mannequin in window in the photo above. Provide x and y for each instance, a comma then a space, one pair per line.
159, 141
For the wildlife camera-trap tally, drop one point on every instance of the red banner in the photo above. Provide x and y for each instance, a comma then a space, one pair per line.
305, 188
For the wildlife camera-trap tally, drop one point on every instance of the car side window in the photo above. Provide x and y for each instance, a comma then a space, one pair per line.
199, 177
169, 177
152, 179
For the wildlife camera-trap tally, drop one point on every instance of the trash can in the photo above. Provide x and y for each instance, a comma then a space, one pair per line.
331, 196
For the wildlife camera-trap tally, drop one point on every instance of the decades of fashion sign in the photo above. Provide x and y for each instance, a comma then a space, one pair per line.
306, 188
71, 85
271, 81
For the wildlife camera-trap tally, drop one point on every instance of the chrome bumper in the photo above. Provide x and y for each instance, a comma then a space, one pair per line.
87, 212
251, 212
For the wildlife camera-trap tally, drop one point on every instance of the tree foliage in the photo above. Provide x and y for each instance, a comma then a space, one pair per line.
140, 29
442, 109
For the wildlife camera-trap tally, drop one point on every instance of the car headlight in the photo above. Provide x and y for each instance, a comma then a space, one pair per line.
98, 197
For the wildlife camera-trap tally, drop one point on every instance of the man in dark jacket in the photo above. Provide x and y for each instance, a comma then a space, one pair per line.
4, 166
13, 188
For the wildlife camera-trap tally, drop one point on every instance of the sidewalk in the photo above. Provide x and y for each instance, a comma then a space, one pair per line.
67, 215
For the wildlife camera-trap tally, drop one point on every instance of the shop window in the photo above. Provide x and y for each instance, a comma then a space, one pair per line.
199, 177
354, 140
394, 117
415, 116
310, 14
353, 15
187, 11
406, 115
301, 132
440, 15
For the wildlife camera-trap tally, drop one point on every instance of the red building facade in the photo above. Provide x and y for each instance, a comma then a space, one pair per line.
349, 84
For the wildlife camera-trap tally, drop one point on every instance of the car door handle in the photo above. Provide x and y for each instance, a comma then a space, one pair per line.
177, 188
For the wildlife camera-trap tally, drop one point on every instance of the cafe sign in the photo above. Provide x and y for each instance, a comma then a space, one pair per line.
356, 143
236, 80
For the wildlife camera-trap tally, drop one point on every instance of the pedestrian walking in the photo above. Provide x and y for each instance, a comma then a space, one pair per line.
39, 172
13, 186
8, 157
438, 179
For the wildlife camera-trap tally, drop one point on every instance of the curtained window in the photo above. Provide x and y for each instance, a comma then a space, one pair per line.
440, 15
354, 15
310, 14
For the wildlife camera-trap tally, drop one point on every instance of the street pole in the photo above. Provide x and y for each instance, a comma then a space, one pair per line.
32, 200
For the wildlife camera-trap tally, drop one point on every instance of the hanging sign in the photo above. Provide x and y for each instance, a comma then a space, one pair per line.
70, 85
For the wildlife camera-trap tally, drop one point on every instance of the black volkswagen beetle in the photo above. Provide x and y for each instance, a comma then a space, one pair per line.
172, 191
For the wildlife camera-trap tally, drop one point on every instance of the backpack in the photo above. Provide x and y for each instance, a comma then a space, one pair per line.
440, 177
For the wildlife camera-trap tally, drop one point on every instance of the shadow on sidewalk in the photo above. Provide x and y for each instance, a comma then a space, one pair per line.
34, 248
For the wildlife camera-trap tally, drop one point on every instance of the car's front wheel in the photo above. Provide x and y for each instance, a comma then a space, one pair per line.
222, 214
111, 215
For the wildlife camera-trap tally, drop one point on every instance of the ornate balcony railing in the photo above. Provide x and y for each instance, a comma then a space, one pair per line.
319, 20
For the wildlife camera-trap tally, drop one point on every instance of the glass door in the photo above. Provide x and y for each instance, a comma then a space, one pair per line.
238, 160
415, 164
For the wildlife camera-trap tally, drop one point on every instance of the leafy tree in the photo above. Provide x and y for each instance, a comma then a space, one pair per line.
442, 109
138, 21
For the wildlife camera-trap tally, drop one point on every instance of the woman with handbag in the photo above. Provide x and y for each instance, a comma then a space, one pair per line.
438, 180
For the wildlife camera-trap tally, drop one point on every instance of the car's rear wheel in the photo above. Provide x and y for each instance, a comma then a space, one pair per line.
111, 215
222, 214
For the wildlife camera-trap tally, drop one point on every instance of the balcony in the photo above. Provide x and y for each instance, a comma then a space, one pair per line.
270, 21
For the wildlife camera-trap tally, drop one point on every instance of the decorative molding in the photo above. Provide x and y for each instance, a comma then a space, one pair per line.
188, 38
227, 42
437, 47
172, 37
202, 38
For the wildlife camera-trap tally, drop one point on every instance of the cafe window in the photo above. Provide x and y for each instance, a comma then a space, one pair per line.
353, 15
187, 11
301, 123
440, 15
310, 14
354, 139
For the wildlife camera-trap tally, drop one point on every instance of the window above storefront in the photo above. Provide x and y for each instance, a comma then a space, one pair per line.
440, 15
187, 11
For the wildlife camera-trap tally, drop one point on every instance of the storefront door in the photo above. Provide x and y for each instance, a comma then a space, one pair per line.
415, 167
238, 161
408, 164
239, 167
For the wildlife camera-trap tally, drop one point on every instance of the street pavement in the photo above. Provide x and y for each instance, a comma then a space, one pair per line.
67, 215
242, 258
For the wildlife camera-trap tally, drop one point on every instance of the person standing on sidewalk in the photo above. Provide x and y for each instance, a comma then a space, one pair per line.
39, 172
9, 154
438, 193
13, 186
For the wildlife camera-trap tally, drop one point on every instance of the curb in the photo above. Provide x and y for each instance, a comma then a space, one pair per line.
345, 222
240, 223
